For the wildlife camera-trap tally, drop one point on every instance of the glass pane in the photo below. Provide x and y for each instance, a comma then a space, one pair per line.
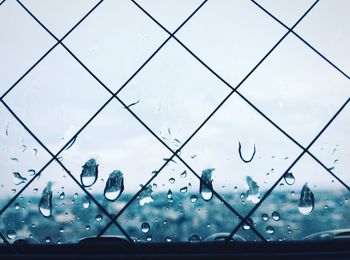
124, 130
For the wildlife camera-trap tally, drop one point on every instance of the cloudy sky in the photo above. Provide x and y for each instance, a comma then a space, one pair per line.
174, 93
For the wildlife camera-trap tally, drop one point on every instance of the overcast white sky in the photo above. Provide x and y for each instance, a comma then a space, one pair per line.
296, 88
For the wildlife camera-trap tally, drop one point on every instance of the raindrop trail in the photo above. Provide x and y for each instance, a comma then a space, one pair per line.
132, 104
241, 156
71, 142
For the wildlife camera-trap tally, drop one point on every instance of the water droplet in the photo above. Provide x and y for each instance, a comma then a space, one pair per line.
145, 227
18, 178
45, 204
146, 196
48, 239
89, 173
265, 217
270, 230
169, 195
194, 239
275, 216
31, 172
61, 229
149, 238
172, 180
183, 189
17, 206
193, 198
86, 202
306, 201
87, 227
253, 193
114, 186
206, 184
183, 174
247, 224
241, 156
11, 234
62, 196
235, 189
289, 178
168, 239
98, 218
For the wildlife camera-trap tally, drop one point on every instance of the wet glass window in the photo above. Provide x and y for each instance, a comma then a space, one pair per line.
174, 121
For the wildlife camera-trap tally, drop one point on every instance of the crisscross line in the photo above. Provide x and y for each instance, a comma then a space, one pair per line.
51, 49
303, 40
246, 77
162, 167
135, 196
97, 113
55, 157
129, 111
255, 108
3, 1
66, 170
291, 166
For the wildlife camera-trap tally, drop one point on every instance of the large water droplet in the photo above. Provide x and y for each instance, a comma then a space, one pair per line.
275, 216
247, 224
114, 186
241, 156
289, 178
265, 217
306, 201
206, 184
172, 180
145, 227
194, 238
183, 189
89, 173
11, 234
193, 198
18, 178
169, 195
98, 218
62, 196
45, 204
270, 230
146, 196
86, 202
253, 193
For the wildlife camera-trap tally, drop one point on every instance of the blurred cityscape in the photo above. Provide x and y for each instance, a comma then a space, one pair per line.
173, 217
